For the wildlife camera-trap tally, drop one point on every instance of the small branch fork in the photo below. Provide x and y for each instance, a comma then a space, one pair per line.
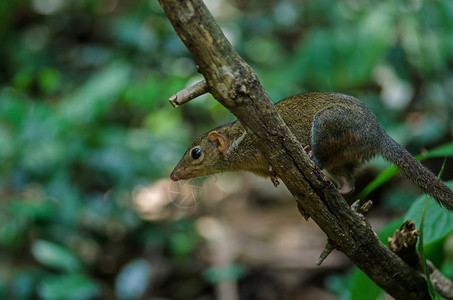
330, 246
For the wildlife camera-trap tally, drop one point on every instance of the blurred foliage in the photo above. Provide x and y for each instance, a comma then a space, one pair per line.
84, 123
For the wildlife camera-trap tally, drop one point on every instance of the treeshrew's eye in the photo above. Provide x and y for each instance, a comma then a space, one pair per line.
196, 153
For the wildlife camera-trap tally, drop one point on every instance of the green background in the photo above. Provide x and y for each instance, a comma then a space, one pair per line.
85, 125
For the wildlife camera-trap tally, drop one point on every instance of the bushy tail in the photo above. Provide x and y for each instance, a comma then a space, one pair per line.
416, 172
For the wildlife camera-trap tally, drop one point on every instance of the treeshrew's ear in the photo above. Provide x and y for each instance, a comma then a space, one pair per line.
219, 140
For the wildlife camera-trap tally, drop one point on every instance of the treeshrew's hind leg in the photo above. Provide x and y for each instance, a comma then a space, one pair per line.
338, 145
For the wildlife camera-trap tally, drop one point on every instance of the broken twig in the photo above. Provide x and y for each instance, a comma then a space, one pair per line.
189, 93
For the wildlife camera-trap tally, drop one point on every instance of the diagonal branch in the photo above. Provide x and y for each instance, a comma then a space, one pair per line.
234, 84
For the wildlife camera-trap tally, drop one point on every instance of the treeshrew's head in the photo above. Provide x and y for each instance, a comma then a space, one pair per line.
203, 157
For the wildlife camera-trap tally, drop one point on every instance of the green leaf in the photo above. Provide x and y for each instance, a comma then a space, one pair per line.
438, 222
382, 178
49, 80
96, 95
362, 287
55, 256
70, 286
421, 246
371, 41
441, 151
421, 250
32, 209
181, 244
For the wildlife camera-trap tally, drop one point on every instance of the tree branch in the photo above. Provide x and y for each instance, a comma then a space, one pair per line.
233, 83
189, 93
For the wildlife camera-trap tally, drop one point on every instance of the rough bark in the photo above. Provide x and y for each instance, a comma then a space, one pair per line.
234, 84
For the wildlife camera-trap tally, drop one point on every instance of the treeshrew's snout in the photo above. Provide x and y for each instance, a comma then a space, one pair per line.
174, 176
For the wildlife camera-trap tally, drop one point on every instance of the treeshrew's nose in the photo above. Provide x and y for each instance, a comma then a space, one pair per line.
174, 176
